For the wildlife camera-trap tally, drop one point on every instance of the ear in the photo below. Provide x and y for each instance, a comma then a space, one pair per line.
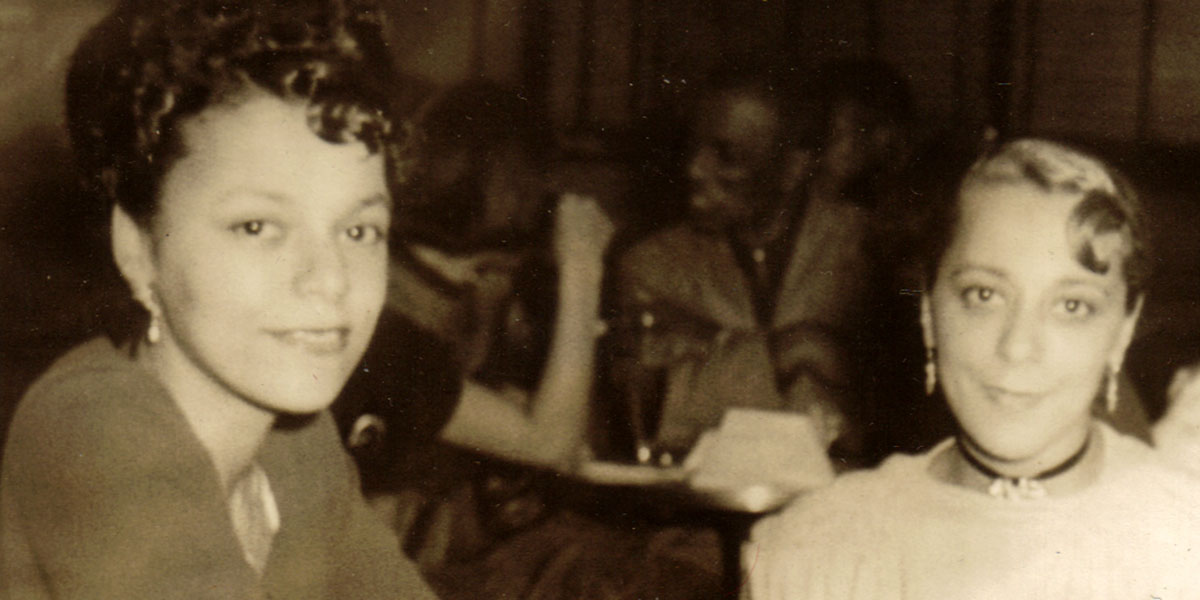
131, 248
927, 322
1125, 337
797, 167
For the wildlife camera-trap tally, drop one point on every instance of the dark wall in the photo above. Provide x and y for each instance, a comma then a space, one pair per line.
47, 247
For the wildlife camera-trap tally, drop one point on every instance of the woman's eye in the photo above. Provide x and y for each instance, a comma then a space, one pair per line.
256, 228
366, 234
978, 295
1076, 308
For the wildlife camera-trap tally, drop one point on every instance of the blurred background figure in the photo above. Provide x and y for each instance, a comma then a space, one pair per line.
1177, 433
479, 379
753, 299
871, 131
473, 220
467, 195
869, 126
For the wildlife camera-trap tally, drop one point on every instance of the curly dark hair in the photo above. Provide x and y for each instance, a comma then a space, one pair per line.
151, 63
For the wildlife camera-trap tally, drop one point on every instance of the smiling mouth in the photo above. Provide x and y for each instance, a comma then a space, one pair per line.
318, 341
1012, 399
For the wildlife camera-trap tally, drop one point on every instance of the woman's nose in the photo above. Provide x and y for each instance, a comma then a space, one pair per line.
1021, 339
323, 272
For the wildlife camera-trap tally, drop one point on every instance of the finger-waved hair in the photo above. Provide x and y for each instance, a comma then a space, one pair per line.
1108, 204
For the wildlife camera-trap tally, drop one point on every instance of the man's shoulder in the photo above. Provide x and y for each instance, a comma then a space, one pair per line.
835, 221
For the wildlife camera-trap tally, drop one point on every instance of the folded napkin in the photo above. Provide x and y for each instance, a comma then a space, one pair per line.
755, 447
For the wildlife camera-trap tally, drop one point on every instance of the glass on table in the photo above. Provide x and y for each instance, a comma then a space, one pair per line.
645, 395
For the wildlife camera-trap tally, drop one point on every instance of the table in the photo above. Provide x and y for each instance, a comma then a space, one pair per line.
733, 511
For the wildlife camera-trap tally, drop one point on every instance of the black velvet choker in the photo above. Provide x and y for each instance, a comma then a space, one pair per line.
1021, 488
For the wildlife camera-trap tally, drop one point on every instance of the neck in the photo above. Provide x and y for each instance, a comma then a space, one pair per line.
766, 227
969, 454
230, 428
966, 465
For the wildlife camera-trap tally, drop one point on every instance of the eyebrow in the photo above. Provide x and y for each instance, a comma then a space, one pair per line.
969, 267
1061, 283
276, 198
253, 193
1081, 282
375, 199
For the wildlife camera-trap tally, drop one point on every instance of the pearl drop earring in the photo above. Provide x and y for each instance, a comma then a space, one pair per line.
930, 372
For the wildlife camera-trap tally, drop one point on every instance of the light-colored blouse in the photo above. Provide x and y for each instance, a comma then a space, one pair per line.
898, 533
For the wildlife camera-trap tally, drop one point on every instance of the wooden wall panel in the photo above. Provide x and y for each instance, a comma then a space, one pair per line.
1175, 88
565, 52
683, 48
1085, 67
921, 38
612, 68
751, 26
37, 38
502, 31
824, 30
974, 54
435, 40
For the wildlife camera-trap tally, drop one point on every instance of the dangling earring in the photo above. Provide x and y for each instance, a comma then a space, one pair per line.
153, 331
1110, 392
930, 372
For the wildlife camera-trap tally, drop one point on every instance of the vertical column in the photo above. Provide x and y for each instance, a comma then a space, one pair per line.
1029, 56
587, 49
479, 10
535, 54
1146, 68
874, 26
958, 66
637, 34
1000, 70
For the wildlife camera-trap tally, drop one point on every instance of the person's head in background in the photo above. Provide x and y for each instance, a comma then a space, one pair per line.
868, 116
1036, 261
752, 137
477, 180
472, 199
472, 207
238, 144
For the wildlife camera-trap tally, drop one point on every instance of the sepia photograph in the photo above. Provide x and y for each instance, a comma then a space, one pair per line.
600, 299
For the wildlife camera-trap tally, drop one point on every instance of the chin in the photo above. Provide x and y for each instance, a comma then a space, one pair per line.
1011, 441
301, 400
1007, 450
298, 391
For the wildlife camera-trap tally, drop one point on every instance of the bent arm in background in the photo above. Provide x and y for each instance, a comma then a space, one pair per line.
549, 429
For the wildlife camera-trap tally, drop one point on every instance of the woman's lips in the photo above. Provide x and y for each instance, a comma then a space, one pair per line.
1011, 398
330, 340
